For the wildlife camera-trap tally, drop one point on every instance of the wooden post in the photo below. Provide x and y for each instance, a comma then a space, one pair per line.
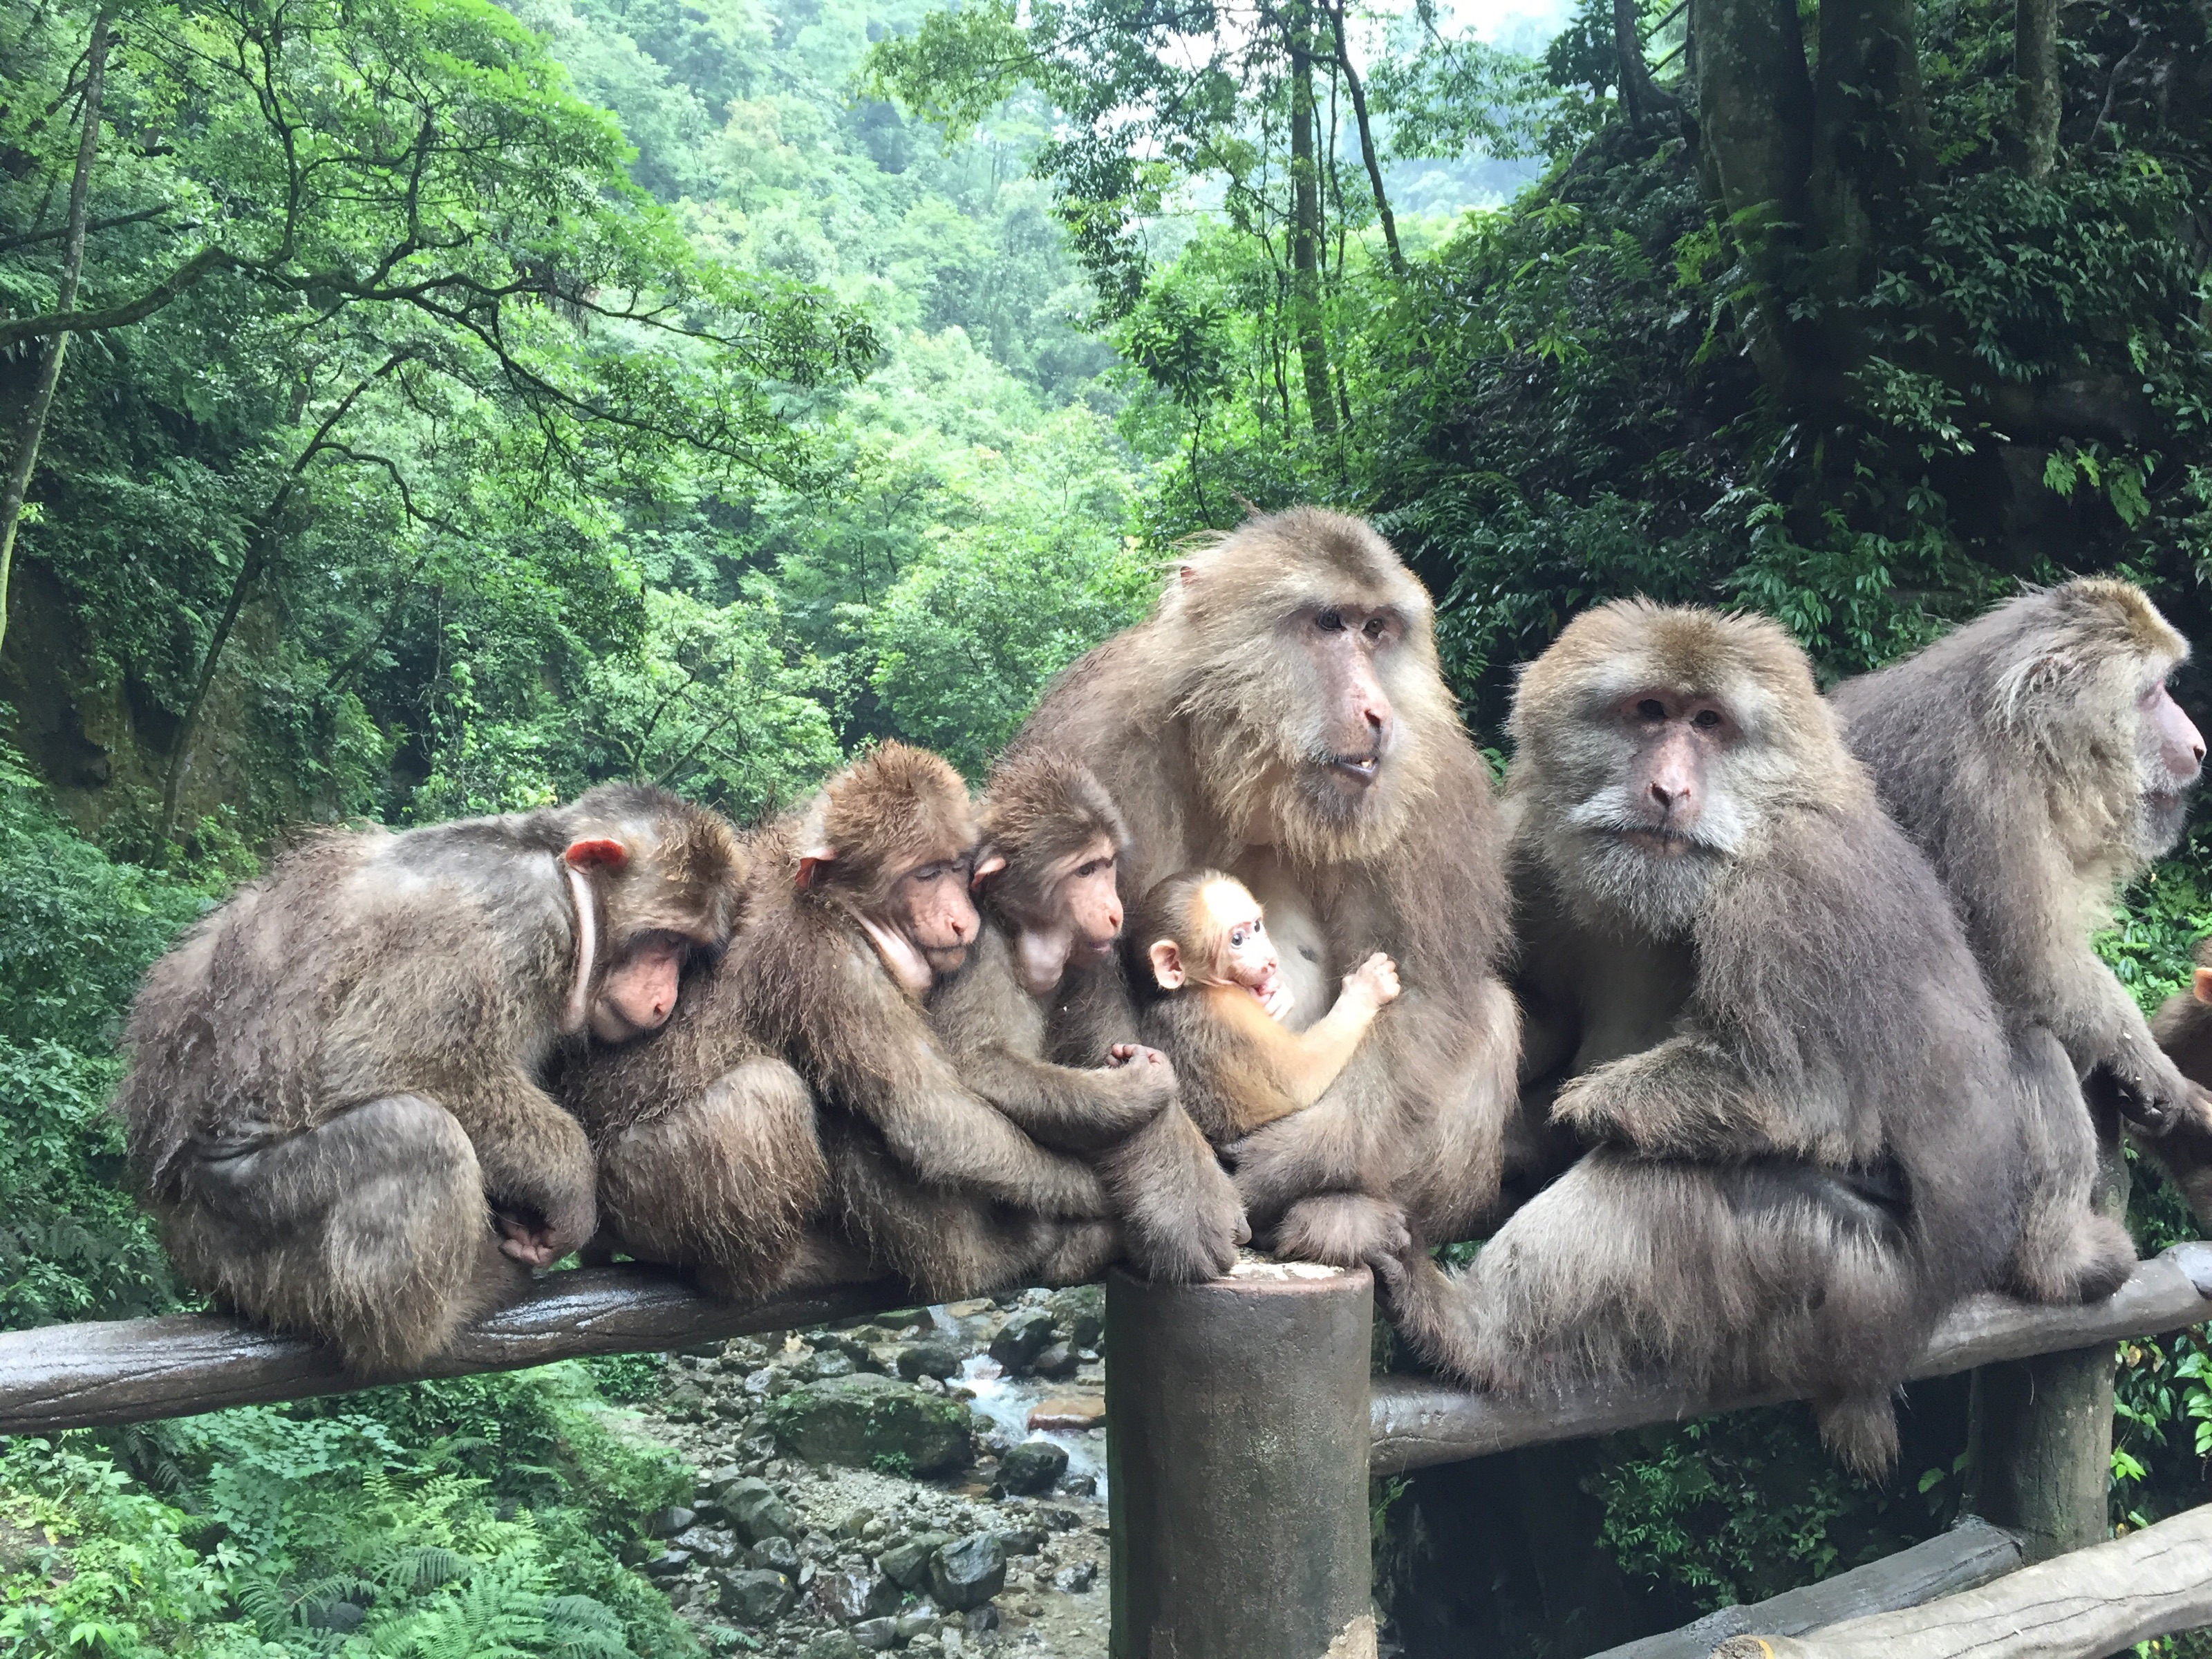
2040, 1443
1237, 1423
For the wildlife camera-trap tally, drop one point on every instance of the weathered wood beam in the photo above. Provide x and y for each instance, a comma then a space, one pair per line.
1973, 1552
2094, 1602
1421, 1420
72, 1376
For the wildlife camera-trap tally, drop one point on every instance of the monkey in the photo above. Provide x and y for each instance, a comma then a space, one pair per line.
1217, 997
333, 1106
1282, 716
1762, 1019
709, 1158
2037, 757
1046, 887
2183, 1028
857, 906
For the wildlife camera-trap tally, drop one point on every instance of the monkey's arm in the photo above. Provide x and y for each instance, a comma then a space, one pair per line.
878, 1056
1690, 1098
1318, 1054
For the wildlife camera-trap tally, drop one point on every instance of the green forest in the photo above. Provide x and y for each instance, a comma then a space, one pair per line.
421, 408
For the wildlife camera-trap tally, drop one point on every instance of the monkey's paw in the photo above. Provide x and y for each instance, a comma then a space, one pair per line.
1343, 1230
2155, 1097
1584, 1109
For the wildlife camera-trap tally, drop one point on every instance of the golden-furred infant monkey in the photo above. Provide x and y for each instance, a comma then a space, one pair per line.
1216, 997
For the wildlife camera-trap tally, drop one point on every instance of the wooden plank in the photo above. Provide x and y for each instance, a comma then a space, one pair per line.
2094, 1602
1422, 1420
69, 1376
1973, 1552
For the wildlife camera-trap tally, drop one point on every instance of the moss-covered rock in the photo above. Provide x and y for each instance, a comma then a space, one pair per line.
857, 1419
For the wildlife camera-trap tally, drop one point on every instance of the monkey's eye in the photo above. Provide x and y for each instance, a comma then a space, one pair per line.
1706, 719
1330, 622
1375, 628
1651, 710
1237, 936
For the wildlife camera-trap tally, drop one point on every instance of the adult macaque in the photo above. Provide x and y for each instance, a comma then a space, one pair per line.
2183, 1028
1763, 1018
858, 906
1045, 883
1281, 717
1213, 995
333, 1105
2037, 757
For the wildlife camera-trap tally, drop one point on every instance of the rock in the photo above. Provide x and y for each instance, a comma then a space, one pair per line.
979, 1619
753, 1596
1032, 1467
911, 1625
1068, 1411
849, 1597
1080, 1486
907, 1564
755, 1509
715, 1549
1057, 1362
938, 1358
833, 1645
966, 1575
876, 1635
666, 1524
1021, 1540
1021, 1339
969, 1310
827, 1364
761, 1445
859, 1418
1076, 1579
1081, 1311
776, 1553
668, 1564
715, 1480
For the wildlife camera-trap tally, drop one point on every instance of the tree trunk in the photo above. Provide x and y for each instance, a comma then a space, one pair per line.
1367, 138
1305, 232
2032, 144
1870, 143
49, 364
1641, 95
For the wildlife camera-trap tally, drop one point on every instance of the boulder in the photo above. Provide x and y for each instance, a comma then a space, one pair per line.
1021, 1339
753, 1596
1032, 1467
827, 1363
856, 1419
777, 1554
1081, 1311
966, 1575
833, 1645
907, 1564
755, 1509
1068, 1411
1020, 1540
849, 1597
1058, 1362
715, 1549
877, 1635
1076, 1579
934, 1357
666, 1524
668, 1564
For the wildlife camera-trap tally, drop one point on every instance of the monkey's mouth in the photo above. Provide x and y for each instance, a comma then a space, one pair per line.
1659, 843
1360, 768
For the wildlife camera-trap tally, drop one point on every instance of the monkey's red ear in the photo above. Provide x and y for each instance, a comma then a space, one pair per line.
1186, 574
988, 863
2200, 985
811, 863
601, 852
1167, 964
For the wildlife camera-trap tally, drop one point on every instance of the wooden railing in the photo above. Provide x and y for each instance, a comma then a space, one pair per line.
1242, 1429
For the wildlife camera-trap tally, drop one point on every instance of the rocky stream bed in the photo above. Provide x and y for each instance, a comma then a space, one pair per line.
931, 1481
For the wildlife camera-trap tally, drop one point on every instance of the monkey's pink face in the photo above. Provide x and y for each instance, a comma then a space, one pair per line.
1347, 646
1247, 956
638, 993
2180, 746
1088, 900
932, 907
1677, 738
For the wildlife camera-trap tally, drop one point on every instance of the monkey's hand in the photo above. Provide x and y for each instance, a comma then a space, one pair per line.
528, 1241
1145, 1073
1584, 1107
1374, 983
1280, 998
2152, 1092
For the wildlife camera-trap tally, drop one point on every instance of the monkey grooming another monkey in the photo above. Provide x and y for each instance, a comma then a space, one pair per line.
1045, 883
1762, 1016
856, 907
2183, 1028
333, 1106
2037, 757
1217, 997
1281, 716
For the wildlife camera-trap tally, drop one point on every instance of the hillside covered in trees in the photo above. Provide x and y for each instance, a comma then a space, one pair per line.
426, 407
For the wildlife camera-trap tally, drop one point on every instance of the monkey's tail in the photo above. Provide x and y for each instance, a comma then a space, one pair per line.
1861, 1430
1432, 1311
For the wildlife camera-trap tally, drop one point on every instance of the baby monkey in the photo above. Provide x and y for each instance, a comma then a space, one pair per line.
1216, 997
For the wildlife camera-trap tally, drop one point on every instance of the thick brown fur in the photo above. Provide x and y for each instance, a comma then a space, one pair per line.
2183, 1028
927, 1176
2006, 750
1179, 1213
335, 1077
1210, 727
1792, 1077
